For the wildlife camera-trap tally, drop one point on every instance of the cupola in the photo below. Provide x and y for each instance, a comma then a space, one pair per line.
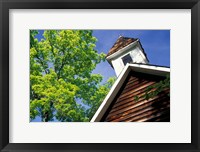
126, 50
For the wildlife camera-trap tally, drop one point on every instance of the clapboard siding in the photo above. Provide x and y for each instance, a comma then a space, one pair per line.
125, 108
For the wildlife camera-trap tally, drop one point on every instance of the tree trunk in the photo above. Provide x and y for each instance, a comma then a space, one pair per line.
45, 118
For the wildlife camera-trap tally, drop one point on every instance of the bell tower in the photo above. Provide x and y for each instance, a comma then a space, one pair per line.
126, 50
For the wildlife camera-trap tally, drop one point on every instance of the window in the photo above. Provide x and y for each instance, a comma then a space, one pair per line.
126, 59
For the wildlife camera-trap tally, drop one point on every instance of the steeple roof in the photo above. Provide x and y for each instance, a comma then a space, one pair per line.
120, 43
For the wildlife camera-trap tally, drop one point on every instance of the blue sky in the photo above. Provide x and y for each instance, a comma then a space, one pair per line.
156, 44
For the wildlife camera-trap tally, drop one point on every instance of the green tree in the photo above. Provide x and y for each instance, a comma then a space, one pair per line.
61, 81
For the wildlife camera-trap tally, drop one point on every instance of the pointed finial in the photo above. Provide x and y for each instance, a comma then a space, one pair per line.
120, 35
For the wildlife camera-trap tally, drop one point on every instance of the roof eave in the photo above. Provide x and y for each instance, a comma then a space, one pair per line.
110, 96
150, 69
108, 58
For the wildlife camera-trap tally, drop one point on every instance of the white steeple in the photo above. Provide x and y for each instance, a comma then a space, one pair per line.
126, 50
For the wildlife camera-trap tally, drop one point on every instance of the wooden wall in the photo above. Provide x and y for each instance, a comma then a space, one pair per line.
125, 107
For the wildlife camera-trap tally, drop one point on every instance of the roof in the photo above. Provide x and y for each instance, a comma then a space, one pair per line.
120, 43
146, 69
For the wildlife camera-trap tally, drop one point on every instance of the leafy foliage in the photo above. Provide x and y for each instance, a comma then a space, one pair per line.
62, 84
154, 90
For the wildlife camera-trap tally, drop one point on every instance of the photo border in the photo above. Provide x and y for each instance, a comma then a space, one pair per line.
5, 5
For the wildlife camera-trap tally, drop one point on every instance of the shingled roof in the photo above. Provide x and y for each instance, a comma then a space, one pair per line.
120, 43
